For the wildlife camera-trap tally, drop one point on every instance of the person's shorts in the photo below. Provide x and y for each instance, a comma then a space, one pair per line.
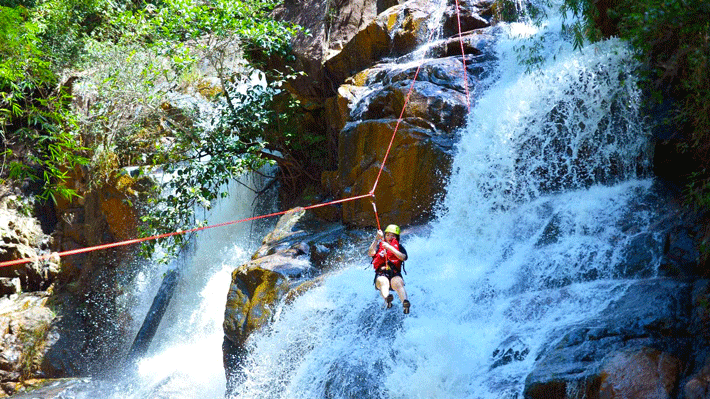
389, 273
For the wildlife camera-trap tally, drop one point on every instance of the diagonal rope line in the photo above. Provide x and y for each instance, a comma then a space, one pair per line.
399, 120
371, 194
165, 235
463, 57
411, 89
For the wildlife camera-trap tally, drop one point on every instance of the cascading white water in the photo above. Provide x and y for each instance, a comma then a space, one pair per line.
529, 240
184, 359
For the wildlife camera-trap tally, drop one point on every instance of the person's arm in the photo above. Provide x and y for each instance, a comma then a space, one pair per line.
400, 255
373, 247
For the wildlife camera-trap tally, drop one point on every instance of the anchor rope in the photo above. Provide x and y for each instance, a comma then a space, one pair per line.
370, 194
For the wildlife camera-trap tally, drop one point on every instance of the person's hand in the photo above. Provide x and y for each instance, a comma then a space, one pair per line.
380, 235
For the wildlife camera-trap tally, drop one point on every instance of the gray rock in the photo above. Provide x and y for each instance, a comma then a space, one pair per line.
652, 314
10, 285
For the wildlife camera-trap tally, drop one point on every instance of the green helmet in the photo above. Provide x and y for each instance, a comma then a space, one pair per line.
393, 228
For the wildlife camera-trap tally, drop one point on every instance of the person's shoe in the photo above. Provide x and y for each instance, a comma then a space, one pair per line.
389, 300
406, 305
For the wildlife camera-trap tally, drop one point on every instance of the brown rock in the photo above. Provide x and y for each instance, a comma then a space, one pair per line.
252, 295
468, 19
644, 373
24, 326
9, 286
367, 47
397, 31
20, 238
260, 284
330, 25
698, 387
401, 197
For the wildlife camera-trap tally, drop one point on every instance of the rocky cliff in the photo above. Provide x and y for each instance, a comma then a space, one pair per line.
358, 76
60, 317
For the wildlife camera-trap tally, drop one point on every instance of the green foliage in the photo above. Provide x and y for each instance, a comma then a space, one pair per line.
203, 160
17, 3
33, 116
54, 154
178, 21
64, 25
139, 54
672, 38
21, 64
584, 26
169, 40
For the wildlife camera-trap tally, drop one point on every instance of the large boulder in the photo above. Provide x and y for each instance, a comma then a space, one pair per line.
328, 26
25, 324
290, 260
698, 386
396, 32
640, 373
636, 348
470, 16
41, 339
23, 238
413, 177
253, 294
103, 215
347, 59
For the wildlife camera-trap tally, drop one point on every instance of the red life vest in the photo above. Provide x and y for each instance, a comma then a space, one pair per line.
386, 258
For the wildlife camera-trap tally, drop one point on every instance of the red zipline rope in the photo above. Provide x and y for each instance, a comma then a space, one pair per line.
165, 235
371, 194
396, 127
463, 57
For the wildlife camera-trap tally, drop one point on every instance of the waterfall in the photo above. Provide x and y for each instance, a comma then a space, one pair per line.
529, 239
184, 359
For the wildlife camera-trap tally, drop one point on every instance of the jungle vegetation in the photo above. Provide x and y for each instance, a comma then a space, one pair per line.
123, 62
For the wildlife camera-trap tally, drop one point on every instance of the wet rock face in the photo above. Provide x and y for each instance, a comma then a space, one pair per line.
413, 179
636, 346
290, 260
58, 311
21, 238
698, 387
641, 373
432, 110
402, 198
353, 61
24, 326
253, 294
513, 349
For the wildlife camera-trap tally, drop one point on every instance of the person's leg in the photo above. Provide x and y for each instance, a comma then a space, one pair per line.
398, 286
382, 283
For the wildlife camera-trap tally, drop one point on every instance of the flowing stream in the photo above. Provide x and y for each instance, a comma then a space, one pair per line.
184, 359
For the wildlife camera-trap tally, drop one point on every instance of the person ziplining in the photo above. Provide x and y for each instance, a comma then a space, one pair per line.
388, 256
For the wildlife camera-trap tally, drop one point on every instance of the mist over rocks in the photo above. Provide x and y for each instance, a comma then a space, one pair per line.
56, 314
